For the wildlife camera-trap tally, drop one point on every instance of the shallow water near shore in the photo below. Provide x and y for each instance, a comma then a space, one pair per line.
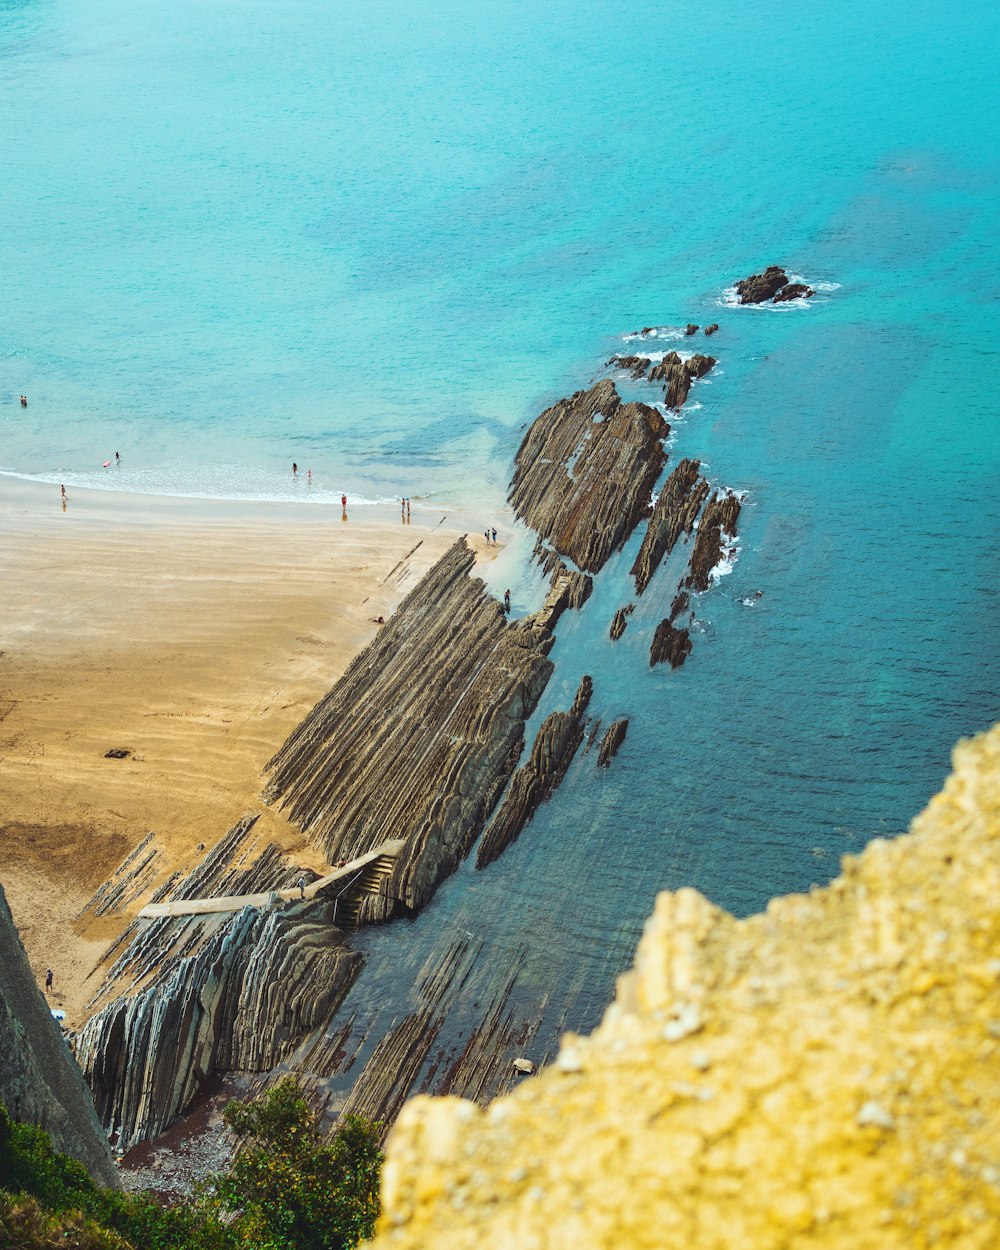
378, 242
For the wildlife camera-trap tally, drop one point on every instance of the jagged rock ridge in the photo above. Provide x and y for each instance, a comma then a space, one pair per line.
585, 470
551, 755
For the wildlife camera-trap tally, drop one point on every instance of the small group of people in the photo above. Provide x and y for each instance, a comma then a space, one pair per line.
490, 535
24, 401
295, 472
404, 509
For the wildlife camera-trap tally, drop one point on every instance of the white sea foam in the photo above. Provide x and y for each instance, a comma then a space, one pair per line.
656, 332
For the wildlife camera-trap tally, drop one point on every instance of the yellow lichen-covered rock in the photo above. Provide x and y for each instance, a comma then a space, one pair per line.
826, 1074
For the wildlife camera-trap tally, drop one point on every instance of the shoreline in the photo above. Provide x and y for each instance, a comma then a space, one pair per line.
193, 634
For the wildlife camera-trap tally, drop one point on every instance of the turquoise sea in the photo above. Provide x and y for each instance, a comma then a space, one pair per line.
377, 239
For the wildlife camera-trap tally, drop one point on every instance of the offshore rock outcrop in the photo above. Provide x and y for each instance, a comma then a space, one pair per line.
584, 472
611, 741
620, 621
772, 284
195, 995
669, 644
39, 1081
677, 375
556, 742
718, 522
820, 1076
420, 735
675, 513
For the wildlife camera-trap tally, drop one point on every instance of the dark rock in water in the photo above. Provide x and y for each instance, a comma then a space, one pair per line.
670, 644
712, 328
611, 742
117, 753
555, 745
585, 470
569, 588
794, 290
677, 375
680, 604
39, 1081
636, 365
620, 620
690, 329
719, 518
760, 287
676, 508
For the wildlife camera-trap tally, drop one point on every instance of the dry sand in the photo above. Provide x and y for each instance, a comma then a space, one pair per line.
194, 634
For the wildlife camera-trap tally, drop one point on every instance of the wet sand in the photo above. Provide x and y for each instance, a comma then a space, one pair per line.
194, 635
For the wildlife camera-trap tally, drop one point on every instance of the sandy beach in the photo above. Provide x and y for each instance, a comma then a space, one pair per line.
193, 634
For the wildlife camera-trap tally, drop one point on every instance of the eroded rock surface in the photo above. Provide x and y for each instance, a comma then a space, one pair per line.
670, 645
556, 742
193, 995
675, 513
677, 375
585, 470
422, 732
821, 1076
620, 620
718, 523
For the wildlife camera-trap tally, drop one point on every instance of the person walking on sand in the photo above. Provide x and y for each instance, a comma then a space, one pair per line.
62, 491
48, 980
301, 883
493, 531
343, 502
407, 508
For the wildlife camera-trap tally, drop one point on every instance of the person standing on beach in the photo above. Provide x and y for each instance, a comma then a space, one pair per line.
402, 509
118, 458
295, 469
301, 883
48, 980
506, 601
407, 509
62, 491
493, 531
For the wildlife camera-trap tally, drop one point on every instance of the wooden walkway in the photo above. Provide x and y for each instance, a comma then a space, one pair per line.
236, 902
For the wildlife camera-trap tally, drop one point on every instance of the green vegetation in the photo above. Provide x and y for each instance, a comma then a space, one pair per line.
289, 1188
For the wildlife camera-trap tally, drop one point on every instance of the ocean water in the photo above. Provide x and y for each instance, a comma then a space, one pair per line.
377, 239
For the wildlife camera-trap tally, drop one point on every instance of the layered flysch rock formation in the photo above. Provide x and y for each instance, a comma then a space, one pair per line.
555, 745
674, 513
584, 473
822, 1076
717, 524
420, 735
195, 995
39, 1081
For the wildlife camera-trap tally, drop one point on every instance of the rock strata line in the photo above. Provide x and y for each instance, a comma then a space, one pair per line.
422, 732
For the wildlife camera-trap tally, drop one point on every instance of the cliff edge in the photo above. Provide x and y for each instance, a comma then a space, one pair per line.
821, 1075
40, 1082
